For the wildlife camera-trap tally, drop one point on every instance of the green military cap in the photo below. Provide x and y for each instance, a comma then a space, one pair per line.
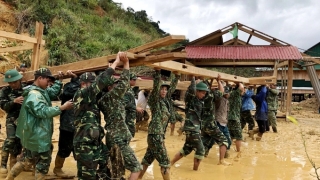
133, 76
163, 83
44, 72
12, 75
88, 77
201, 86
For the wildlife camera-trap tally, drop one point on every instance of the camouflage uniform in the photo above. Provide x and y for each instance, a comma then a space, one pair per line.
272, 106
130, 109
87, 141
234, 124
11, 144
117, 132
161, 113
193, 123
210, 130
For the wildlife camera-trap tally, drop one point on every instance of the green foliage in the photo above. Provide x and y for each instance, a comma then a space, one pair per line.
82, 29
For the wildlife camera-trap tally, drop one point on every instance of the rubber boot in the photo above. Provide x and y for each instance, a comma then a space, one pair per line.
13, 161
16, 170
39, 176
145, 167
274, 128
165, 172
4, 161
258, 138
58, 167
196, 163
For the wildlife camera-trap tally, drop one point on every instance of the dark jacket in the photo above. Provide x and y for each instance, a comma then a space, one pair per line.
261, 103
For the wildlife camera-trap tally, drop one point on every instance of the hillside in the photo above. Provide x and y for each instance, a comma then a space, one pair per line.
75, 29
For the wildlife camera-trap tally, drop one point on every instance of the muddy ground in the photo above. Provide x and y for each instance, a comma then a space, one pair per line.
279, 156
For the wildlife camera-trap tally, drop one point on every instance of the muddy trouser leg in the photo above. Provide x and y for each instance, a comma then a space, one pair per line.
243, 119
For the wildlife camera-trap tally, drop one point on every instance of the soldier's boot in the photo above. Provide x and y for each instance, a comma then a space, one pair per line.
39, 176
253, 132
165, 172
15, 170
196, 163
13, 161
57, 170
258, 138
144, 169
274, 128
4, 161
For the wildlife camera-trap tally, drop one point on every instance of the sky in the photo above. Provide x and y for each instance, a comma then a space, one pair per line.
293, 21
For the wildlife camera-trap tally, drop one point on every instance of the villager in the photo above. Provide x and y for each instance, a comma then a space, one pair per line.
142, 115
247, 106
272, 100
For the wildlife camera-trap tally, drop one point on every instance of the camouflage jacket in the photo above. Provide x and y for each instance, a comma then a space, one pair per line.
209, 106
130, 105
86, 112
194, 107
114, 110
160, 107
235, 105
272, 99
7, 96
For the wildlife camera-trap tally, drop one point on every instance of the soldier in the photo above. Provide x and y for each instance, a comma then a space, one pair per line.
10, 101
247, 106
88, 135
115, 118
194, 109
272, 100
142, 117
130, 103
210, 130
234, 124
66, 128
35, 123
261, 114
161, 111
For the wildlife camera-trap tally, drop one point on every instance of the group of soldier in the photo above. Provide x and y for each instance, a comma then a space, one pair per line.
212, 115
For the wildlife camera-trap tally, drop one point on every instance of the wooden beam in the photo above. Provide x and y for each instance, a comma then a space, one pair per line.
35, 60
158, 58
289, 87
187, 69
20, 37
313, 60
210, 38
188, 63
219, 62
229, 42
172, 39
16, 48
263, 80
284, 63
259, 36
249, 38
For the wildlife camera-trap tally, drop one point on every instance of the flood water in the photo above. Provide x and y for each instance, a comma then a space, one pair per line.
278, 156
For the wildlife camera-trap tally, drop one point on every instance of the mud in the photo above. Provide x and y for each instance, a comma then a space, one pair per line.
278, 156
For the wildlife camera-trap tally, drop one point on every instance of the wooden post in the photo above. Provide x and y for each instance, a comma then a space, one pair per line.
289, 87
35, 61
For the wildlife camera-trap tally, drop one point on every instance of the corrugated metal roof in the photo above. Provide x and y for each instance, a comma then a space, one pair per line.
267, 52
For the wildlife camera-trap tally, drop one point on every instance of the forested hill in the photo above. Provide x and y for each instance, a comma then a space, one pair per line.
84, 29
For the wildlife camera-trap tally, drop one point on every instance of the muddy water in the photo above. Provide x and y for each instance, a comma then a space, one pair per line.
278, 156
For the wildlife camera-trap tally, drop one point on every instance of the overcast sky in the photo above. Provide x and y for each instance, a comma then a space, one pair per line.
293, 21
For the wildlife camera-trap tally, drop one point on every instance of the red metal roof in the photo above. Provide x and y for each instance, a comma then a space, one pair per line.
267, 52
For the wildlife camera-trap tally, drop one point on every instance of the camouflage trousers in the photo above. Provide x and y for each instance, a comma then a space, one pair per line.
235, 130
11, 145
88, 157
130, 160
131, 126
176, 117
246, 117
156, 150
211, 133
272, 118
193, 142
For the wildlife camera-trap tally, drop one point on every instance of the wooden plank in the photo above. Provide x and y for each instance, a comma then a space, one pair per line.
188, 63
148, 84
259, 36
284, 63
158, 58
289, 87
215, 62
205, 39
229, 42
20, 37
187, 69
172, 39
35, 61
262, 80
16, 48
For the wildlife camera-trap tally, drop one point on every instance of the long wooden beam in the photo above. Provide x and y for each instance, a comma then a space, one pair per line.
289, 87
263, 80
16, 48
284, 63
20, 37
172, 39
226, 63
187, 69
259, 36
